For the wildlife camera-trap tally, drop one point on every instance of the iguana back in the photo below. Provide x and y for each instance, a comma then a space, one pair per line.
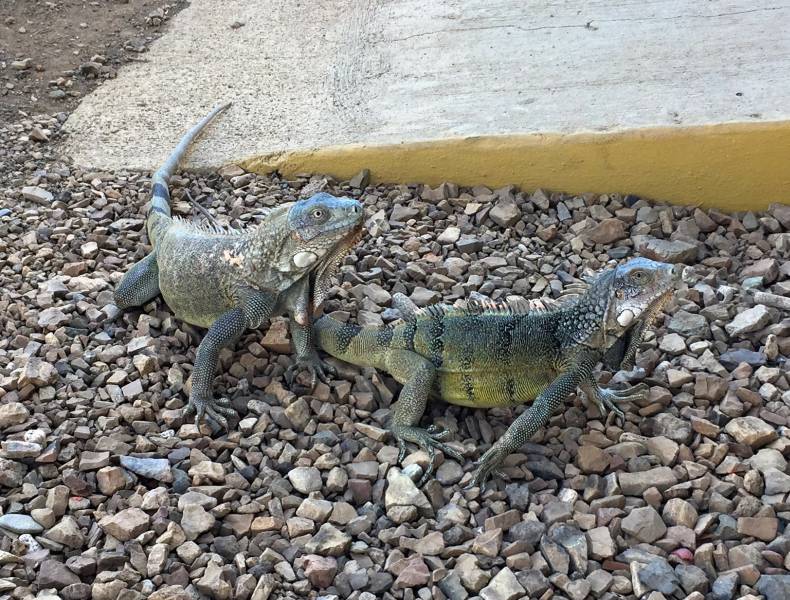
483, 357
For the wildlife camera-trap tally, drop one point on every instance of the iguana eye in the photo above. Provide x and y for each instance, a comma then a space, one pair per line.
318, 213
638, 276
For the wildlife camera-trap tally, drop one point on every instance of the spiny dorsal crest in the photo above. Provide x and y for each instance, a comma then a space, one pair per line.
206, 228
487, 307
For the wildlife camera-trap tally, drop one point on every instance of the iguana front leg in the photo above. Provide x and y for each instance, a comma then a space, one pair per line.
417, 374
254, 308
297, 301
525, 426
307, 357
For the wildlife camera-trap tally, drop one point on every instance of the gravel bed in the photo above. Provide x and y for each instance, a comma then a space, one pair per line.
106, 493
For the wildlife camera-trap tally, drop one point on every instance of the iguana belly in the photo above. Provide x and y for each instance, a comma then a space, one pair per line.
487, 389
192, 276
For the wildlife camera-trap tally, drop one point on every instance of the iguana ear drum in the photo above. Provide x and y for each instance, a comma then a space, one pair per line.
304, 259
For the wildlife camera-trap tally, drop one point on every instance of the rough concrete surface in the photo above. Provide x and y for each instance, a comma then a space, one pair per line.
328, 73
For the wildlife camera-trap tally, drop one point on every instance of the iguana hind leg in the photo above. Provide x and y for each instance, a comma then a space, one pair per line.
417, 374
140, 284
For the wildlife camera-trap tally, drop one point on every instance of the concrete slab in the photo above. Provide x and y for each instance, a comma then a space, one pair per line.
675, 99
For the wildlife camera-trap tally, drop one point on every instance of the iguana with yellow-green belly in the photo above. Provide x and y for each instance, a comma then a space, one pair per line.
489, 355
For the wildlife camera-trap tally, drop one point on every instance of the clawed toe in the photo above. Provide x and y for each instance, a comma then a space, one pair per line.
318, 369
431, 440
215, 411
606, 402
637, 391
488, 466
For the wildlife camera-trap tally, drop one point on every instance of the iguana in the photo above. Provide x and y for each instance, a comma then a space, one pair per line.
493, 354
231, 280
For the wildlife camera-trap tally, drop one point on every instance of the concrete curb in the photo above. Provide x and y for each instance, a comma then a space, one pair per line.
733, 167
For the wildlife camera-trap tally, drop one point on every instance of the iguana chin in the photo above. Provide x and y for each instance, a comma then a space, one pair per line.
490, 355
230, 280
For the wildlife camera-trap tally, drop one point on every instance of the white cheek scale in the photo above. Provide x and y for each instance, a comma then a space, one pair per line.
304, 259
626, 317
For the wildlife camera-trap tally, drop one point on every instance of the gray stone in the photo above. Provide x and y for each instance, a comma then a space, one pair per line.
776, 482
575, 544
126, 524
688, 324
635, 484
452, 588
152, 468
692, 579
505, 213
54, 574
774, 587
676, 251
658, 575
752, 431
749, 320
644, 524
329, 541
305, 479
533, 582
724, 587
195, 521
733, 358
37, 195
503, 586
13, 413
67, 532
19, 523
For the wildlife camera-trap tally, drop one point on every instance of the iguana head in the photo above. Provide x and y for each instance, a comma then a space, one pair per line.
315, 235
618, 300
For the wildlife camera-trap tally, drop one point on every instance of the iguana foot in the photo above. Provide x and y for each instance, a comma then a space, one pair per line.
636, 392
430, 439
607, 399
313, 364
489, 465
215, 410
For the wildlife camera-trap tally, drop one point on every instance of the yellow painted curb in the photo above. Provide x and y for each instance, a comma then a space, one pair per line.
734, 167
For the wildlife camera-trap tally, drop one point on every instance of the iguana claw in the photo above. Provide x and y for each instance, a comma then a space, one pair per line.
215, 410
430, 439
487, 466
312, 363
607, 400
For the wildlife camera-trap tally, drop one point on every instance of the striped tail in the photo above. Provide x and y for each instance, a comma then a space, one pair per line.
361, 346
160, 195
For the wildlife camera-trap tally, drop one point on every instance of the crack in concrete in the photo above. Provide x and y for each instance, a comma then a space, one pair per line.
589, 24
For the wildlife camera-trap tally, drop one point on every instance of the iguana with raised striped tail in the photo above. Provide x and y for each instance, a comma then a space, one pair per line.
488, 355
231, 280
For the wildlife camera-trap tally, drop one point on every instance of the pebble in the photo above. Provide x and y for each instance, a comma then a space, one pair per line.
19, 523
152, 468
